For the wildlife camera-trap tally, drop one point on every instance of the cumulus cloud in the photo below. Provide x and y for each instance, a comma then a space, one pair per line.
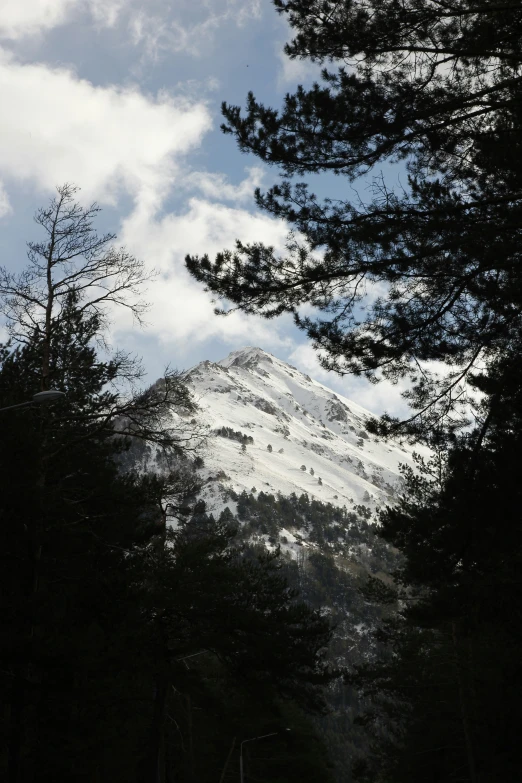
25, 18
19, 19
58, 128
181, 312
116, 143
216, 185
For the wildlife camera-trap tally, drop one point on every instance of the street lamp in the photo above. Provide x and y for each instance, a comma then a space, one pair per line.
38, 399
263, 736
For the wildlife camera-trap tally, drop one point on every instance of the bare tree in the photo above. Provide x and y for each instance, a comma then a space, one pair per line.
71, 260
74, 270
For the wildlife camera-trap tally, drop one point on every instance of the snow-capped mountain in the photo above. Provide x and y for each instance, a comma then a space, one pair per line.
274, 428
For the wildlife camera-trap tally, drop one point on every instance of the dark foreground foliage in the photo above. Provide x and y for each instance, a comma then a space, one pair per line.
128, 652
447, 697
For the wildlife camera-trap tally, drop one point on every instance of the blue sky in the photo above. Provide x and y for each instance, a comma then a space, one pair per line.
122, 98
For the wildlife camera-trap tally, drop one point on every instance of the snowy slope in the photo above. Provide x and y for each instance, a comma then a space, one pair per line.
258, 395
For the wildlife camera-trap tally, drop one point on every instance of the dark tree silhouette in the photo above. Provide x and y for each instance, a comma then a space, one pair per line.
436, 86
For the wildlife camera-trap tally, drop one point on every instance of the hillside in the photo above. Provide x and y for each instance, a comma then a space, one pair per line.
291, 462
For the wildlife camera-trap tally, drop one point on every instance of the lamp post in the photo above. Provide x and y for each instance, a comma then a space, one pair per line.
263, 736
38, 399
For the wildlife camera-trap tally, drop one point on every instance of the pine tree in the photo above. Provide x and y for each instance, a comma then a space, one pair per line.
449, 695
70, 517
438, 88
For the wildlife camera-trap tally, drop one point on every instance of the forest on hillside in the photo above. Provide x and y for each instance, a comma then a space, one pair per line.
342, 568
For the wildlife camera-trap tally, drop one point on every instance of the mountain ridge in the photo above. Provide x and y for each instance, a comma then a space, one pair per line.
275, 429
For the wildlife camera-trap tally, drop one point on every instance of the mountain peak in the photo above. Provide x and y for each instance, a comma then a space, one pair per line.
274, 428
248, 356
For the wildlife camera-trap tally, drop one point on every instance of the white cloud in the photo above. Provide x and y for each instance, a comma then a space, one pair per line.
116, 142
181, 312
57, 128
25, 18
19, 18
216, 186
